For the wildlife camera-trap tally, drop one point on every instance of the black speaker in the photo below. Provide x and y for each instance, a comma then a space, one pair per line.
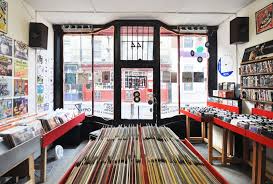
239, 30
38, 33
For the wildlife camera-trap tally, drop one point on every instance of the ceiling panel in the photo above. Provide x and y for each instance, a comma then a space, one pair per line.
102, 18
61, 5
230, 6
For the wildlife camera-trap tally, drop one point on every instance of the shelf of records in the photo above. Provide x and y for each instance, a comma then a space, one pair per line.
259, 81
14, 132
253, 123
135, 154
257, 95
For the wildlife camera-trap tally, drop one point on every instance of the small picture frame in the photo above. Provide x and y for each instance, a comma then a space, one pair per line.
263, 18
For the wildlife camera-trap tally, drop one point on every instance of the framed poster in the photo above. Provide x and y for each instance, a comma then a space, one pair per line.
5, 108
20, 106
20, 50
264, 19
198, 76
5, 66
5, 87
20, 69
5, 45
187, 76
4, 16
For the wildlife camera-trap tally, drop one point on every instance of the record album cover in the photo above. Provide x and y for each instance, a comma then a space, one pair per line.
20, 87
20, 106
5, 66
5, 108
20, 50
5, 87
5, 45
4, 16
20, 69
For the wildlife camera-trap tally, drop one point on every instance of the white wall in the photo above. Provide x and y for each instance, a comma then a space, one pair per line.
237, 51
20, 15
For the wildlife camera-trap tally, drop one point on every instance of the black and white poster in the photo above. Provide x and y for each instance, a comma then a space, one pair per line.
5, 45
20, 50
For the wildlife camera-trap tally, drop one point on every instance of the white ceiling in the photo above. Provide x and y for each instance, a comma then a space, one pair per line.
206, 12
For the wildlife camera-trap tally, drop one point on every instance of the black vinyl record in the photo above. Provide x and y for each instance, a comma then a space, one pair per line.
207, 44
137, 99
136, 94
200, 59
192, 53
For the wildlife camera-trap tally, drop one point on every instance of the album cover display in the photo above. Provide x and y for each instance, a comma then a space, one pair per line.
5, 87
5, 45
20, 50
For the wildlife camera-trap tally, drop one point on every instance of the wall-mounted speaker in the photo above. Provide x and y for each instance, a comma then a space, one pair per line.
38, 34
239, 30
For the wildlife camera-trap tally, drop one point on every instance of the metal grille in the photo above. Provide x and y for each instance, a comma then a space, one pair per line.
137, 43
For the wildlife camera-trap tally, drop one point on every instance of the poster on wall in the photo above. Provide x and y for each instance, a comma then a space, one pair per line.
5, 87
20, 50
3, 16
20, 87
106, 77
5, 108
198, 76
5, 66
5, 45
187, 77
264, 20
20, 69
20, 106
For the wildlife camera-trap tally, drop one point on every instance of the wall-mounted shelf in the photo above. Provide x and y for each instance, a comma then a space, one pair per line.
254, 74
258, 101
256, 61
256, 87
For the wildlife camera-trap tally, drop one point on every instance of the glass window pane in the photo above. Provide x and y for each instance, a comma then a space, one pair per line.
104, 76
169, 69
78, 72
193, 86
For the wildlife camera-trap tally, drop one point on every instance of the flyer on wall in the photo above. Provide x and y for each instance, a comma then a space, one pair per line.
5, 87
20, 87
20, 69
20, 106
5, 108
5, 45
20, 50
5, 66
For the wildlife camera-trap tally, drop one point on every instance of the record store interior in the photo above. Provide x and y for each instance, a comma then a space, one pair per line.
136, 92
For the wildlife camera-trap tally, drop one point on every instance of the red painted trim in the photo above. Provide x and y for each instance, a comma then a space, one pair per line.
268, 142
229, 126
51, 136
217, 175
261, 112
225, 107
193, 116
143, 159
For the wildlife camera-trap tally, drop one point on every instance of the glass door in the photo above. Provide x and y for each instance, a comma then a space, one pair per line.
137, 73
137, 97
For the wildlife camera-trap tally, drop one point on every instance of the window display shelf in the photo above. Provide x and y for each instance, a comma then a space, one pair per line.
256, 61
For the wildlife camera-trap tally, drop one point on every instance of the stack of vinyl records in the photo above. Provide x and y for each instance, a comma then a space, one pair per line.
138, 155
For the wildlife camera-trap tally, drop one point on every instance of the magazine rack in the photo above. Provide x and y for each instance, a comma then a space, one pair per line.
260, 142
19, 161
49, 137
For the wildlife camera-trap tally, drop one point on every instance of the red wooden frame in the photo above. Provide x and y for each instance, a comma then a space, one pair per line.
193, 116
218, 176
225, 107
261, 112
59, 131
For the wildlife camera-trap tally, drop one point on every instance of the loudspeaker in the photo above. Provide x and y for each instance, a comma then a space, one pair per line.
239, 30
38, 33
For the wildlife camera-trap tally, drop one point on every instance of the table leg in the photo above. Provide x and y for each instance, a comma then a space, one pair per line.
31, 169
188, 128
210, 142
254, 163
261, 164
43, 164
203, 131
224, 146
231, 141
